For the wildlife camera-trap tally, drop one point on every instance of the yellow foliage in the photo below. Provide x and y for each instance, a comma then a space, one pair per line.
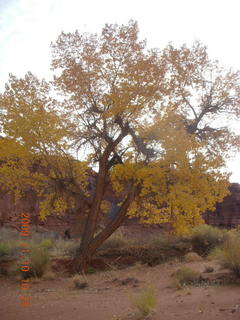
111, 99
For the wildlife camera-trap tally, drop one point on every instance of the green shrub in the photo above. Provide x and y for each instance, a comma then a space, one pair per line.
186, 276
46, 244
205, 238
38, 263
39, 260
229, 255
145, 302
9, 248
4, 249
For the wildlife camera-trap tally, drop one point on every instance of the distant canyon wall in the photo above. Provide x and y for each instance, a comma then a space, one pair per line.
226, 215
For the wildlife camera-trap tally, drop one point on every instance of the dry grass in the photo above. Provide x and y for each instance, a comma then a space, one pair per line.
186, 276
205, 238
145, 302
229, 255
78, 282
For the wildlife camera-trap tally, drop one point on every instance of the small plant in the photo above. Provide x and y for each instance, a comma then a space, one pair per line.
9, 248
39, 260
78, 283
229, 255
91, 270
116, 241
205, 238
186, 276
146, 302
64, 248
38, 264
4, 249
46, 244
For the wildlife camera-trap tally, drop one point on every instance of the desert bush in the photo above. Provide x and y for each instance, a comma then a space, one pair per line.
64, 247
78, 283
46, 244
205, 238
39, 260
186, 276
229, 255
234, 232
9, 248
38, 264
116, 241
145, 302
162, 241
4, 249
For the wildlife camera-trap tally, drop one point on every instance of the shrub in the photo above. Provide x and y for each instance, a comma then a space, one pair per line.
205, 238
162, 241
116, 241
146, 302
9, 248
64, 247
46, 244
78, 283
229, 255
186, 276
39, 260
4, 249
38, 264
234, 232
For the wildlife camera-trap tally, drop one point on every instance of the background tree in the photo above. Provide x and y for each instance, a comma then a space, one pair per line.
148, 122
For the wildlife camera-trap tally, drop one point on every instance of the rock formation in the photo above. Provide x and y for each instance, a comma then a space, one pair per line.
227, 213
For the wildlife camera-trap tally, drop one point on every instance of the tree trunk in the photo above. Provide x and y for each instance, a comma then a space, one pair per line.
85, 253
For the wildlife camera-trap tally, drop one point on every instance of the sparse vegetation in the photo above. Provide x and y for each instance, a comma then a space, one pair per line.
4, 249
229, 255
145, 302
9, 248
78, 283
64, 248
116, 241
186, 276
46, 244
39, 260
38, 264
205, 238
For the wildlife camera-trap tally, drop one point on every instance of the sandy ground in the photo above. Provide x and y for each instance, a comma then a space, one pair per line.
106, 298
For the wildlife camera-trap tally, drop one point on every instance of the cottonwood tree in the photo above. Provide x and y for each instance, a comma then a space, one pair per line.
148, 121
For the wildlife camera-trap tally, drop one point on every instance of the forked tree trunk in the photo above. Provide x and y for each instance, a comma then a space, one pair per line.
82, 255
85, 253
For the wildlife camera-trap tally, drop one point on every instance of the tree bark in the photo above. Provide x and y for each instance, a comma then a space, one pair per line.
83, 257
